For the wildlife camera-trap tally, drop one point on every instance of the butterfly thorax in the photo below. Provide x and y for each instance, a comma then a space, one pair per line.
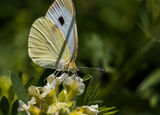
68, 66
72, 67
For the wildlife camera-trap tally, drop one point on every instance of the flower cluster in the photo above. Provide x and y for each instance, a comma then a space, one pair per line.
57, 100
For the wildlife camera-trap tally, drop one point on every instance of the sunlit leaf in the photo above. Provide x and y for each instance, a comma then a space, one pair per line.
87, 77
107, 110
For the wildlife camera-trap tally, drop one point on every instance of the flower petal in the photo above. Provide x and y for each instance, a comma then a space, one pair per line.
74, 86
89, 110
34, 91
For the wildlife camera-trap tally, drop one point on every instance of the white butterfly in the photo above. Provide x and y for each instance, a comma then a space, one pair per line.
53, 40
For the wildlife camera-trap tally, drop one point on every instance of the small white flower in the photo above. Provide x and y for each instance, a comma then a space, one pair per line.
61, 78
59, 107
50, 78
24, 107
51, 85
32, 102
90, 110
34, 91
48, 88
74, 84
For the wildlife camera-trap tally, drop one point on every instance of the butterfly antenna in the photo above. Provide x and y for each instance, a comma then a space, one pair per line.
99, 69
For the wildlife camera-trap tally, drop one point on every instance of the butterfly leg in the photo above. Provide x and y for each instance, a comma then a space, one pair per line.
68, 69
56, 72
76, 74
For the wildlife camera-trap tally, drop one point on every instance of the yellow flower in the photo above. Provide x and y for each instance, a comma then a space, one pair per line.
34, 91
61, 108
77, 113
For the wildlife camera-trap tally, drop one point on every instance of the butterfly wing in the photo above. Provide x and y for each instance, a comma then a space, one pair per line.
75, 51
62, 13
45, 43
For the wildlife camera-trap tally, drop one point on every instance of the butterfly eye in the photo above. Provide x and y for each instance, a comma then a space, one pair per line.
61, 20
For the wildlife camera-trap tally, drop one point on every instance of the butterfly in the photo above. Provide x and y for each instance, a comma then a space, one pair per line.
53, 39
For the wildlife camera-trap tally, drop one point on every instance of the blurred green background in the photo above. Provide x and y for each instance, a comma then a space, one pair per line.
122, 36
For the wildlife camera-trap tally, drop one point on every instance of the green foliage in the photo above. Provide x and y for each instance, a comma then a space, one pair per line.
107, 111
19, 88
90, 93
7, 108
4, 106
148, 88
14, 108
87, 77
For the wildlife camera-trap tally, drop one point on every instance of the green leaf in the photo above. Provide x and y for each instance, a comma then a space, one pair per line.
102, 109
111, 112
152, 80
154, 8
91, 91
15, 108
22, 113
144, 18
155, 101
107, 110
144, 15
87, 77
4, 106
19, 88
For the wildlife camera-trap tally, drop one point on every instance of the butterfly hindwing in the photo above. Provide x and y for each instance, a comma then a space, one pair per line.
45, 43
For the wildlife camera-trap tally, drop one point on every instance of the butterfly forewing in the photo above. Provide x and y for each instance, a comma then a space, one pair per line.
45, 43
62, 13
